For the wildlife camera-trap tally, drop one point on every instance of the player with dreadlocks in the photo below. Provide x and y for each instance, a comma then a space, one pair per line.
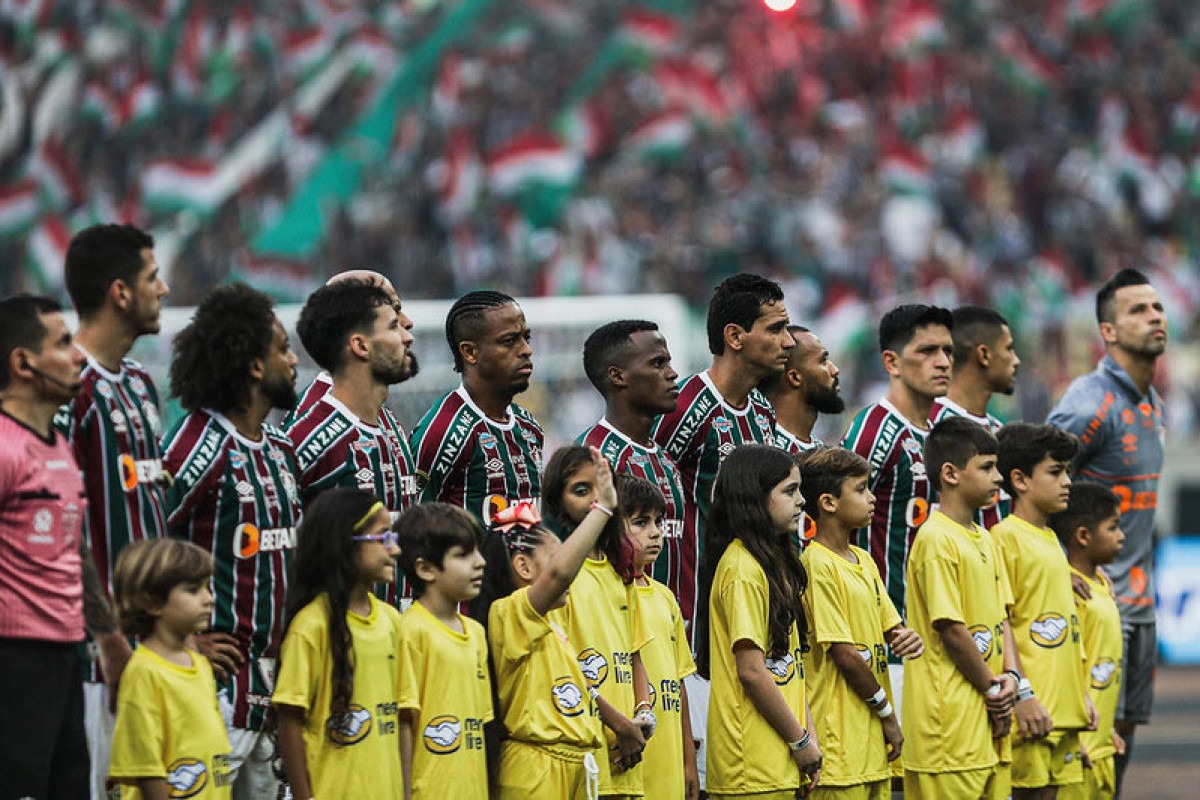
475, 448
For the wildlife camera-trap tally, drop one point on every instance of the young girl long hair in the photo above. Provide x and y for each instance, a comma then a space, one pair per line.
556, 482
324, 563
739, 511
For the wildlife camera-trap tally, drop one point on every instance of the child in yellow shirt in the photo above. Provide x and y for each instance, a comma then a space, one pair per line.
851, 622
1090, 530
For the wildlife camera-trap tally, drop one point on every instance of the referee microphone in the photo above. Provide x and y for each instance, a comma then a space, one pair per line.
70, 387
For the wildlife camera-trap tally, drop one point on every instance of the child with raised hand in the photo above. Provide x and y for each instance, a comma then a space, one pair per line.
1052, 705
1090, 530
958, 695
852, 622
669, 760
750, 630
169, 739
604, 624
339, 679
543, 699
446, 696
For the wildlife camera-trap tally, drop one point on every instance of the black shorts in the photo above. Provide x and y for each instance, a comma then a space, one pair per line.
1137, 678
43, 751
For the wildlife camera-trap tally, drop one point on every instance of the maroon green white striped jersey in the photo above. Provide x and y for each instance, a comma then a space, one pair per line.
238, 499
944, 407
319, 387
465, 459
793, 445
698, 435
653, 464
336, 448
114, 429
903, 495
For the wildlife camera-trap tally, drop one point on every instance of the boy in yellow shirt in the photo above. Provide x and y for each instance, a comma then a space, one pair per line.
1090, 530
851, 623
445, 692
958, 695
1051, 704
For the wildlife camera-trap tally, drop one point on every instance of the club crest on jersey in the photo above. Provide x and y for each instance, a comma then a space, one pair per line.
104, 390
350, 728
277, 457
1102, 674
782, 669
487, 441
1049, 629
594, 667
443, 735
187, 777
982, 635
138, 384
567, 696
764, 425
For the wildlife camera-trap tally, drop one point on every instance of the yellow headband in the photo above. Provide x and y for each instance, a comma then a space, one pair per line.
372, 511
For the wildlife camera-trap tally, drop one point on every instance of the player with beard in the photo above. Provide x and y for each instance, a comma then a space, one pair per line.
1118, 416
985, 363
353, 330
114, 428
321, 384
917, 351
476, 448
629, 364
808, 388
235, 495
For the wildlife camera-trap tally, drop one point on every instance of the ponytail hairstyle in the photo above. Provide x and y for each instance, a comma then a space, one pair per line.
739, 511
515, 529
324, 564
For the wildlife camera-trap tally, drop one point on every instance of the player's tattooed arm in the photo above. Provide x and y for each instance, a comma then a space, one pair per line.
98, 616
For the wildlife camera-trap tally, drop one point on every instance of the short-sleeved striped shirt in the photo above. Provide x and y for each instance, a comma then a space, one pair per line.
894, 448
238, 499
698, 435
465, 459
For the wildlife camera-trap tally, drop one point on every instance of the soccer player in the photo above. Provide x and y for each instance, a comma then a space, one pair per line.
353, 330
1118, 417
324, 381
720, 408
1090, 530
1034, 462
851, 623
917, 352
958, 695
475, 448
629, 364
985, 363
235, 495
43, 559
114, 428
808, 388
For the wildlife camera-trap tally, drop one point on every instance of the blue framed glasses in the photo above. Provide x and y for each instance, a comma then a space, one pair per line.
387, 538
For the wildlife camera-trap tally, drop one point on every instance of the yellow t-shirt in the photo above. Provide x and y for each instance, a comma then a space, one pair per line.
444, 678
668, 660
544, 698
1043, 619
602, 620
954, 573
1100, 621
745, 754
846, 604
169, 726
359, 755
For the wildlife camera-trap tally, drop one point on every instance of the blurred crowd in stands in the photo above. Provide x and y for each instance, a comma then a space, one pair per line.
1010, 153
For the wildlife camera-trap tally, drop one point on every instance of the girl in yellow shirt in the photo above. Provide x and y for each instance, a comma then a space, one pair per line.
551, 730
750, 629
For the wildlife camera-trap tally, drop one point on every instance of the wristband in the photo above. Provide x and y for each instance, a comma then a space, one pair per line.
876, 702
1024, 690
596, 505
800, 743
1016, 676
886, 711
644, 705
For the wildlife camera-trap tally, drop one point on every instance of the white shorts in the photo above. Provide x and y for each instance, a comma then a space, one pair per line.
98, 724
896, 676
697, 696
250, 756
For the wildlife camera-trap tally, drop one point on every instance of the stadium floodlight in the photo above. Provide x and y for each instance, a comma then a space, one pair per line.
780, 6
